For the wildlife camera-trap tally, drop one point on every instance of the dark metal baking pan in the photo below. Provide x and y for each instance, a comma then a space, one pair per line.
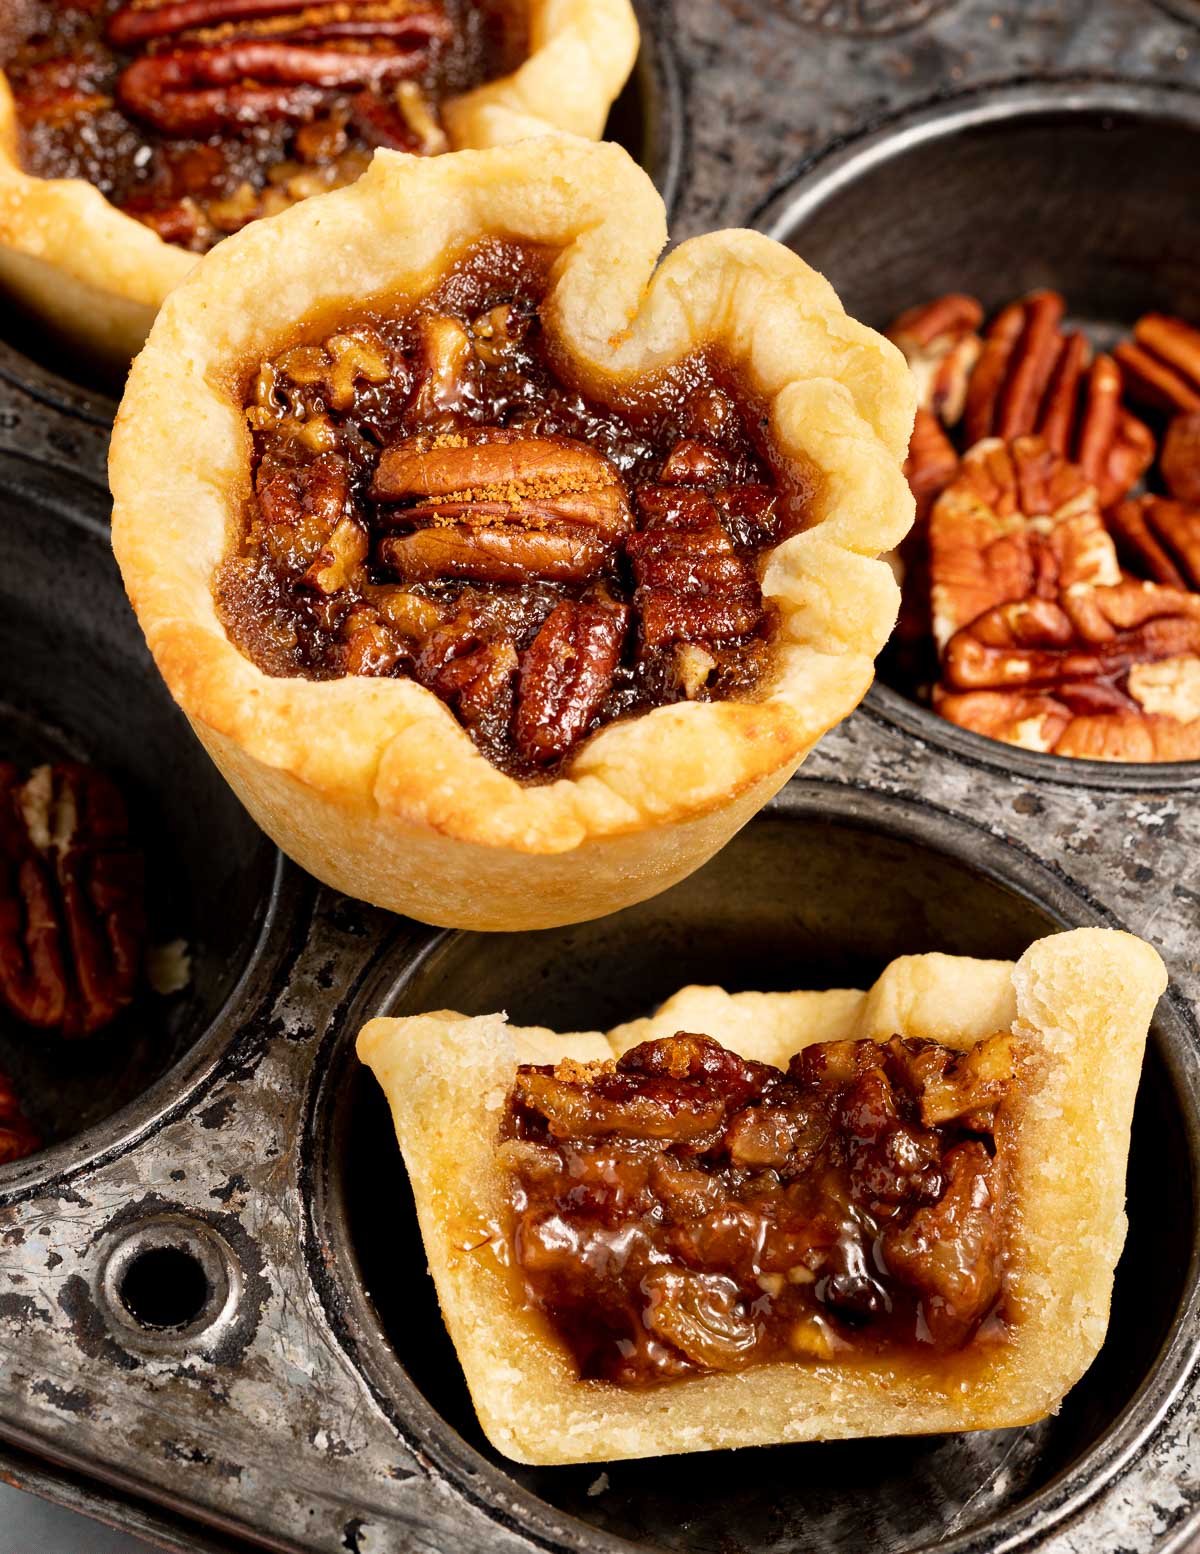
297, 1392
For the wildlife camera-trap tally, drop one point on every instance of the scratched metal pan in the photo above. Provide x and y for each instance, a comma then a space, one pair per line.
215, 1324
821, 892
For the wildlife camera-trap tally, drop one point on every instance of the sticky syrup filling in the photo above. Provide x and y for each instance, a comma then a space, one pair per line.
683, 1210
435, 499
198, 116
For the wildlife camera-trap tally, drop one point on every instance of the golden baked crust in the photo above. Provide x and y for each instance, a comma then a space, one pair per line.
1080, 1003
99, 276
372, 784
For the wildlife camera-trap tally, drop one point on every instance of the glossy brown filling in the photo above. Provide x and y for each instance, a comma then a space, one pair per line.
683, 1210
435, 500
197, 116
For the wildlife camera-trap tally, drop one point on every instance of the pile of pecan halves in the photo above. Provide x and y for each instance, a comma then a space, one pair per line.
1064, 607
72, 914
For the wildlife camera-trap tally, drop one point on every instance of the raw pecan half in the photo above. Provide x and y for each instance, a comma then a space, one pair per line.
1160, 539
1033, 380
1110, 673
566, 672
1016, 521
18, 1137
1161, 365
72, 916
941, 344
497, 506
1180, 458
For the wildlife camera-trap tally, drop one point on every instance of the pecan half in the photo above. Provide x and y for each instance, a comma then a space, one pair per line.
18, 1137
566, 672
1161, 365
1180, 458
1159, 538
1110, 672
283, 68
1017, 520
1033, 380
931, 463
692, 586
72, 918
497, 506
941, 344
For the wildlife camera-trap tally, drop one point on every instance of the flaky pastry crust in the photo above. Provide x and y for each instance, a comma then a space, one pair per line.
372, 784
1079, 1003
98, 276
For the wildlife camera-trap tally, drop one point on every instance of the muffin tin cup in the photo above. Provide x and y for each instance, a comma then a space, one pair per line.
286, 1382
961, 195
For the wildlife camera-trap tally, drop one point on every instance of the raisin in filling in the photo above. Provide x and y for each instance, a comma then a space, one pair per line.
198, 116
433, 499
684, 1210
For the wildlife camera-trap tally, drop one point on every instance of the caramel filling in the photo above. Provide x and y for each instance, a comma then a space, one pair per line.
198, 116
435, 499
683, 1210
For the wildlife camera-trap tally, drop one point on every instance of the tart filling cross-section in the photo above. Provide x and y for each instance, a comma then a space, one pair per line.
504, 576
434, 500
839, 1214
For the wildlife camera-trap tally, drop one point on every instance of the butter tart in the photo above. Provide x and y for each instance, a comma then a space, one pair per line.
503, 578
135, 134
758, 1218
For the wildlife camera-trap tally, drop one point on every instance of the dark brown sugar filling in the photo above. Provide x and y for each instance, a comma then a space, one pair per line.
197, 116
683, 1210
433, 498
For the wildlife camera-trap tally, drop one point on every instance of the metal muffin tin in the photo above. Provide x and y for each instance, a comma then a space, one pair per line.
216, 1326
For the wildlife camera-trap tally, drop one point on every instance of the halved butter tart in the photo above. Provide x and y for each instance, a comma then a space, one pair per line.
503, 577
767, 1217
135, 134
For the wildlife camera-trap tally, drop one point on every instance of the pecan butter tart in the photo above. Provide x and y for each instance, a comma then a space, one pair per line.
502, 577
432, 499
842, 1214
1052, 582
191, 118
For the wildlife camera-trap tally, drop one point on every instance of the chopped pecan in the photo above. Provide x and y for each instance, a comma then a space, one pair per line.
72, 919
500, 507
1180, 458
941, 344
303, 508
1016, 521
1161, 365
953, 1251
566, 672
18, 1137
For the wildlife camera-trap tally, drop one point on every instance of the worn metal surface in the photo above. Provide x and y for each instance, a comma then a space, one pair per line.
311, 1404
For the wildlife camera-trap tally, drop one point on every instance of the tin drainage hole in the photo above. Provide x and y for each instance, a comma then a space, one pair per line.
164, 1287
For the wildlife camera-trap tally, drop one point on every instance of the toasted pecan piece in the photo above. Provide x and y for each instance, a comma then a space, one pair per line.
497, 506
566, 672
